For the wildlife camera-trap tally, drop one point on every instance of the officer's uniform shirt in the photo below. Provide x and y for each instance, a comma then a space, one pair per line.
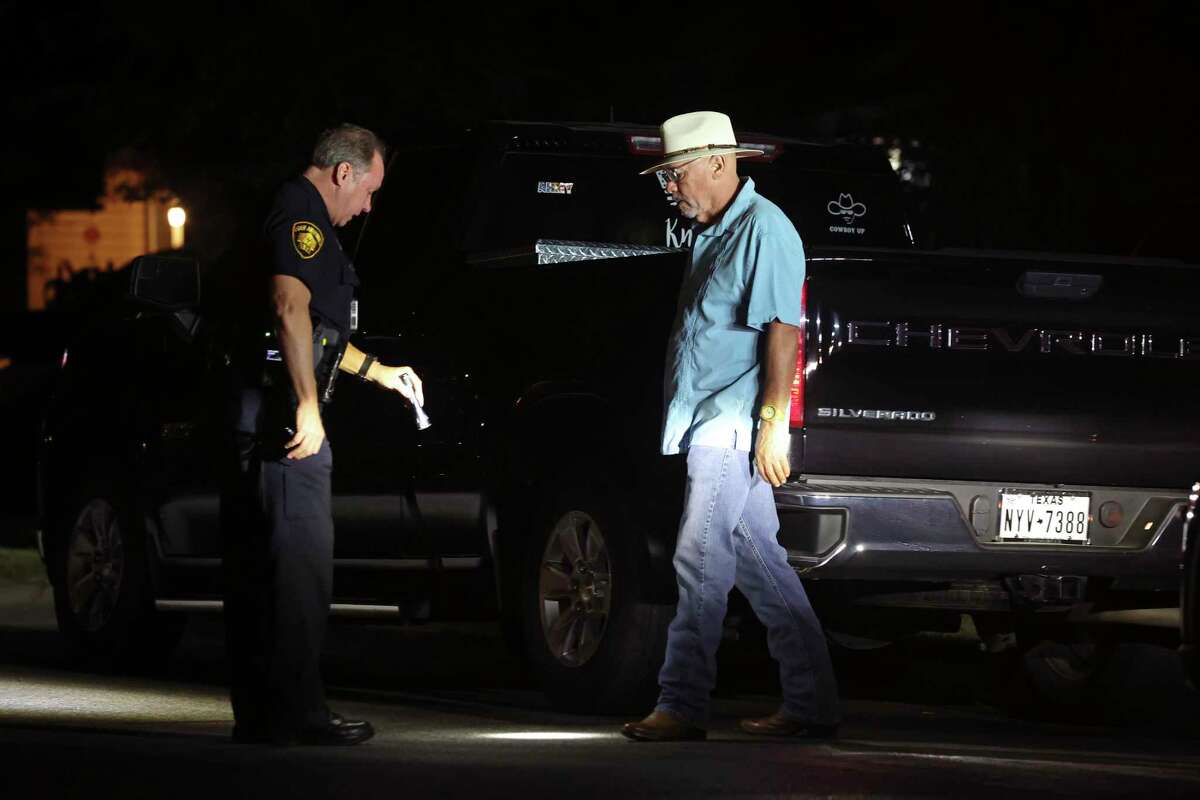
298, 239
303, 244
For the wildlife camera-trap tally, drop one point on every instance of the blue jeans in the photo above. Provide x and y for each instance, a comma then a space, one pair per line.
727, 538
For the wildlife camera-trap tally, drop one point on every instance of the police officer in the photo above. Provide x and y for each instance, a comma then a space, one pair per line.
276, 514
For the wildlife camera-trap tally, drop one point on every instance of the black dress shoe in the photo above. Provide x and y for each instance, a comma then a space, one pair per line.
338, 731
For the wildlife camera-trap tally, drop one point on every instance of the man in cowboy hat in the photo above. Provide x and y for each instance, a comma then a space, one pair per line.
742, 287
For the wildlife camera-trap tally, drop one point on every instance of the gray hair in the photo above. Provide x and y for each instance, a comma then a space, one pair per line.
349, 143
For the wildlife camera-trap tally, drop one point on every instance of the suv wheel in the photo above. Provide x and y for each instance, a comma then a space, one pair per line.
102, 595
592, 641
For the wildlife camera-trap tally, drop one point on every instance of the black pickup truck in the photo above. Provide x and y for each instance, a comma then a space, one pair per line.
977, 437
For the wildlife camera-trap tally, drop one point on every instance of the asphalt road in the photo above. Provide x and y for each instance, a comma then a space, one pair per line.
457, 719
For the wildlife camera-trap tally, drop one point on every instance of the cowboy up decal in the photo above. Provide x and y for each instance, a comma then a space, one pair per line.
848, 210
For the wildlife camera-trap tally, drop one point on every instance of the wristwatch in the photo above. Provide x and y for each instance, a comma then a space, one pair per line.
768, 414
365, 367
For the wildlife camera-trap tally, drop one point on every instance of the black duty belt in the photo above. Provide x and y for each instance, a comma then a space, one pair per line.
328, 345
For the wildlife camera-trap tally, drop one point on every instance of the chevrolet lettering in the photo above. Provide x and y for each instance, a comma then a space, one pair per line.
942, 336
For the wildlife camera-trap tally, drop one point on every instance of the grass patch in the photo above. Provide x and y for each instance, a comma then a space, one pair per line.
21, 565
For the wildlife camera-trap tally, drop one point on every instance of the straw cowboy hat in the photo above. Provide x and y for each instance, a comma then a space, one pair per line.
698, 134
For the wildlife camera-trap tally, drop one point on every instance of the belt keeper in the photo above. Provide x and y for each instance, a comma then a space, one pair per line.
365, 367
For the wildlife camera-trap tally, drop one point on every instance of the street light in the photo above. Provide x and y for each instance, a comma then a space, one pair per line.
176, 217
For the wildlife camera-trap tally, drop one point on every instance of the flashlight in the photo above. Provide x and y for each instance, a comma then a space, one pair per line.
422, 418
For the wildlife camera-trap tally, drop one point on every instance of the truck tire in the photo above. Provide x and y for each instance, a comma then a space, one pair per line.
103, 598
1061, 668
590, 638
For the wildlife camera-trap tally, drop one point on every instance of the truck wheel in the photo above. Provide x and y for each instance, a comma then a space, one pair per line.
592, 641
1061, 670
864, 661
102, 594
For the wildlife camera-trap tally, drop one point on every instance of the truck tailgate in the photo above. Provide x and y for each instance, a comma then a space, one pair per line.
1002, 367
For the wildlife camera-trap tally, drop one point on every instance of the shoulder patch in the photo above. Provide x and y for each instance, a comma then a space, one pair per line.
307, 238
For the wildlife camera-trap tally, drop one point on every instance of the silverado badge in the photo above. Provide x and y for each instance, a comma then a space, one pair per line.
307, 239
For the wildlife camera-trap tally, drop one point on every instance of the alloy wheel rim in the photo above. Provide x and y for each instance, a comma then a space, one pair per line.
575, 589
1074, 661
95, 565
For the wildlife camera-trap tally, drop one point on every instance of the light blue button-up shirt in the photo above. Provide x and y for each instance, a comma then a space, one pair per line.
746, 270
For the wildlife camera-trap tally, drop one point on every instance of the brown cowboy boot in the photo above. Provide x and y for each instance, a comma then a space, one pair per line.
782, 724
663, 726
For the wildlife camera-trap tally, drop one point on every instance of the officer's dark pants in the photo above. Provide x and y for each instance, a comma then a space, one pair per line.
278, 534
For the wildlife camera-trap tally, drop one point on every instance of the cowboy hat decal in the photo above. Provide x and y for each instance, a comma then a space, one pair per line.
846, 208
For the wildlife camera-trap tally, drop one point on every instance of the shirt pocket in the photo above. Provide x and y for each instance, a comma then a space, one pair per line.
725, 284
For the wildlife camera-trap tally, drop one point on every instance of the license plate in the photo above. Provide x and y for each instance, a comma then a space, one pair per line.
1044, 516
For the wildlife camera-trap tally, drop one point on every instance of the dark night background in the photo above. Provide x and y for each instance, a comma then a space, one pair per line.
1057, 126
1040, 126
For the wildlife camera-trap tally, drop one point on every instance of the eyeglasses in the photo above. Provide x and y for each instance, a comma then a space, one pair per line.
672, 175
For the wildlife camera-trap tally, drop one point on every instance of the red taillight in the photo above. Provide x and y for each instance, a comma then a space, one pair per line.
797, 404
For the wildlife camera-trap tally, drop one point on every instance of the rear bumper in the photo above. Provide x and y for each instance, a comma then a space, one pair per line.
909, 530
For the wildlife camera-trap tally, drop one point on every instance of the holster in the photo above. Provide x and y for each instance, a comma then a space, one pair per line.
278, 415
